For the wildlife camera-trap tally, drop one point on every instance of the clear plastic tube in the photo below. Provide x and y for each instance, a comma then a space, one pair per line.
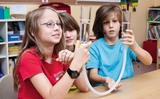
120, 76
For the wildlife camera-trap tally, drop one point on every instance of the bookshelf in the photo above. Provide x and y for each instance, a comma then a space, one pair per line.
153, 23
4, 54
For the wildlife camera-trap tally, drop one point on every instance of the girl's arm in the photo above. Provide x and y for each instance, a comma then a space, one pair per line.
61, 88
47, 91
81, 84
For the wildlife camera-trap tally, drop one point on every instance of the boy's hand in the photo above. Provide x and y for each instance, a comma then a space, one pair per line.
128, 39
110, 83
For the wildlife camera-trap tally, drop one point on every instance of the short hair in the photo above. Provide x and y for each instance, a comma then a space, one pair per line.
69, 23
102, 13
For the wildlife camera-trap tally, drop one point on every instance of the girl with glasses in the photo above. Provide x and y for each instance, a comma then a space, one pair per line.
38, 72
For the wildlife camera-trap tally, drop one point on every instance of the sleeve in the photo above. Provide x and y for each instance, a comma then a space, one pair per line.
93, 62
30, 65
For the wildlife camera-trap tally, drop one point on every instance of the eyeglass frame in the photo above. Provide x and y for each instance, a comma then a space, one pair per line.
60, 25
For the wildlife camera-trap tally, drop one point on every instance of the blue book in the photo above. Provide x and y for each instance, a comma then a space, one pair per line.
158, 31
1, 13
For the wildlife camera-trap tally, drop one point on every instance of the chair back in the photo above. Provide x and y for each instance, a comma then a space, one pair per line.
6, 87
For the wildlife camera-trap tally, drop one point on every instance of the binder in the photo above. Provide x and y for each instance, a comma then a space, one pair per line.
1, 13
7, 13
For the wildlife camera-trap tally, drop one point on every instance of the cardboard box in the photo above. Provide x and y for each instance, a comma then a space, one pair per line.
14, 37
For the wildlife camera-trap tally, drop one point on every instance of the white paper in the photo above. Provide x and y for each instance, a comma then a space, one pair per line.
18, 8
101, 0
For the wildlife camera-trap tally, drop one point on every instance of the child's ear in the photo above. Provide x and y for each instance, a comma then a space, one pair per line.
31, 31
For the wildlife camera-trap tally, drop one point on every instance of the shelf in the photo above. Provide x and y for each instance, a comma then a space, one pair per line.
2, 56
153, 8
10, 42
11, 20
1, 43
154, 21
13, 55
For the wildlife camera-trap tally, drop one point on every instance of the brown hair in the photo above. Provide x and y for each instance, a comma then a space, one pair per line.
102, 13
32, 23
69, 22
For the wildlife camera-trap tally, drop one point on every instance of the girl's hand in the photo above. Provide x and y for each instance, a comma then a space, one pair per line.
128, 39
65, 56
81, 54
110, 83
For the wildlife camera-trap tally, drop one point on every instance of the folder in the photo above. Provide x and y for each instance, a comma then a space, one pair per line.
1, 13
7, 13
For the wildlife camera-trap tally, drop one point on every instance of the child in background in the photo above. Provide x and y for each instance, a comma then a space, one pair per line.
106, 54
38, 72
71, 29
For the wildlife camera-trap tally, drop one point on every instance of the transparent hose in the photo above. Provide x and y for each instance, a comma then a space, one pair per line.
120, 76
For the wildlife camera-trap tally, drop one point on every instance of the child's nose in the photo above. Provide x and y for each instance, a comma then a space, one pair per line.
111, 24
56, 27
68, 34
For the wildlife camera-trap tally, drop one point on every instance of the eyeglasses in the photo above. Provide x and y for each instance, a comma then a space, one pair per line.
52, 25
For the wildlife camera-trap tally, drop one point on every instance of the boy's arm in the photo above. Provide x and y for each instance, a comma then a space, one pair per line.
96, 78
142, 55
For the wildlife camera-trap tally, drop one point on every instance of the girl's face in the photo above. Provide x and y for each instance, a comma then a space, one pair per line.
111, 26
50, 31
70, 37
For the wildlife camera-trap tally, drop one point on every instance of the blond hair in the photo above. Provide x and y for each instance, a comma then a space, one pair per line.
32, 23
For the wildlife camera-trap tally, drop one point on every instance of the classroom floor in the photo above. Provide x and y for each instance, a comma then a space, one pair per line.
141, 68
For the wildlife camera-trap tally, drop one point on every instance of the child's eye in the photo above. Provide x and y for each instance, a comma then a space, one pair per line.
106, 22
49, 23
114, 20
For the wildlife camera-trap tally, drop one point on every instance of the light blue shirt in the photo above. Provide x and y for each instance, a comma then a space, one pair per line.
109, 59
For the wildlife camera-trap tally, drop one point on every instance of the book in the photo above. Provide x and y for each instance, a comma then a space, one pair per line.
10, 66
155, 31
16, 26
152, 32
149, 34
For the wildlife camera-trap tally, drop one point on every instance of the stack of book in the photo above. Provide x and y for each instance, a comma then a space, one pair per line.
154, 15
154, 32
13, 49
19, 29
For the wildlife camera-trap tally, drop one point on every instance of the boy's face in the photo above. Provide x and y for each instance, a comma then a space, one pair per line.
111, 26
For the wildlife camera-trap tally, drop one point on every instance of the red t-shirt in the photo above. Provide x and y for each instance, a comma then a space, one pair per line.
30, 65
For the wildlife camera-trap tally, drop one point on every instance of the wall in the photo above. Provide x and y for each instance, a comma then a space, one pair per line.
138, 18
